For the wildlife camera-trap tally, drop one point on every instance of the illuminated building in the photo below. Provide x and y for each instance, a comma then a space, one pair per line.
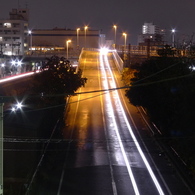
152, 33
14, 33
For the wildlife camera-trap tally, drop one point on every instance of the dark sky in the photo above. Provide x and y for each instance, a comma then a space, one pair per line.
129, 15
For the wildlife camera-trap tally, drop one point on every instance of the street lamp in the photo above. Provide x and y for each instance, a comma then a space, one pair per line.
17, 107
67, 42
30, 33
1, 147
125, 35
78, 29
86, 27
173, 37
115, 28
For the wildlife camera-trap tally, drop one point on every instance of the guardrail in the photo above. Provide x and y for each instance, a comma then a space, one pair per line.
119, 62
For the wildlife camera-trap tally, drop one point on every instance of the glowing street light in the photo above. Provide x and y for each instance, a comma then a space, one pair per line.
78, 29
19, 63
67, 42
173, 37
115, 29
125, 35
13, 62
30, 34
86, 27
17, 106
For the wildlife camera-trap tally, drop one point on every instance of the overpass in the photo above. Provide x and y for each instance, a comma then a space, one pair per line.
9, 83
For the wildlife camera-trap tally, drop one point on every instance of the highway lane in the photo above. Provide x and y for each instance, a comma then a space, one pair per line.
100, 152
100, 139
171, 181
104, 153
137, 165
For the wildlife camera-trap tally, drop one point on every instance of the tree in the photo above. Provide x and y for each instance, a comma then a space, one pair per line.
165, 86
57, 80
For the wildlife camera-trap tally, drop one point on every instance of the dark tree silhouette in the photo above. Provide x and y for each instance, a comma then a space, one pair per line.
166, 88
57, 80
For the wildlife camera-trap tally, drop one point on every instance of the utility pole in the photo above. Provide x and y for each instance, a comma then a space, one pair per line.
1, 148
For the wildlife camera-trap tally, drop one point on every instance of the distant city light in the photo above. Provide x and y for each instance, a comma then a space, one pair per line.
19, 63
19, 105
173, 30
13, 62
16, 107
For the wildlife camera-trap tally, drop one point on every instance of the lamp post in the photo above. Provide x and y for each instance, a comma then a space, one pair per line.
1, 148
173, 37
78, 29
67, 42
125, 35
86, 27
30, 33
18, 106
115, 28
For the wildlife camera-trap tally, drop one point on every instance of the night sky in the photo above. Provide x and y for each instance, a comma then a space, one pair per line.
129, 15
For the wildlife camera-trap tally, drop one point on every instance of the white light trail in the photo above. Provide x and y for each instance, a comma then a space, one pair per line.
133, 136
17, 76
117, 132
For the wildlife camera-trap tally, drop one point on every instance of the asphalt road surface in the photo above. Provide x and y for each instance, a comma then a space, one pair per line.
106, 137
107, 148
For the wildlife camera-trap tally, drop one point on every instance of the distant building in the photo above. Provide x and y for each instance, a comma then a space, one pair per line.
56, 39
151, 33
17, 40
14, 33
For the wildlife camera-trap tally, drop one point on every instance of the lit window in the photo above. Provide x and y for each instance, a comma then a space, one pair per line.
7, 25
9, 53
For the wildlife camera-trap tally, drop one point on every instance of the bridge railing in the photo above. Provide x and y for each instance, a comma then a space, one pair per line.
118, 61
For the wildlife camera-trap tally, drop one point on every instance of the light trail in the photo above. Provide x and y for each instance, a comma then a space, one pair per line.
18, 76
117, 131
158, 187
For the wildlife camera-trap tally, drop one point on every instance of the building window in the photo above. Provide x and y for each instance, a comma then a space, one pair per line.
16, 38
16, 25
7, 31
16, 31
7, 25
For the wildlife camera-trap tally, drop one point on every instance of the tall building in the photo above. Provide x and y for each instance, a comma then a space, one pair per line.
152, 33
14, 33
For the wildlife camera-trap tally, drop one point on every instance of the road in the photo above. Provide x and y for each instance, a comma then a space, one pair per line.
105, 148
106, 140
